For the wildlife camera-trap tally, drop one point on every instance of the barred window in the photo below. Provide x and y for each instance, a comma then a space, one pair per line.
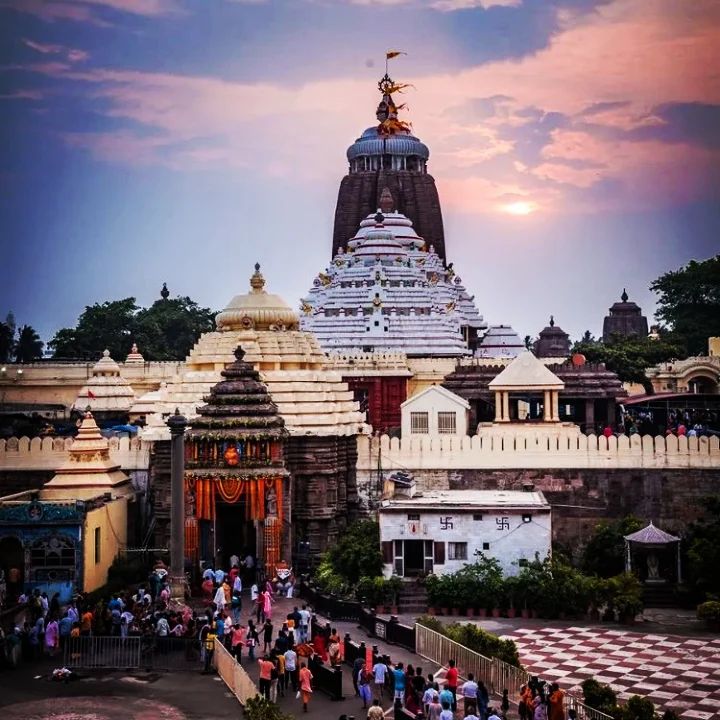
447, 423
457, 551
419, 423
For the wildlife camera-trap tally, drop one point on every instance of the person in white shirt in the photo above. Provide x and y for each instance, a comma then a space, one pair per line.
469, 691
234, 561
291, 668
219, 598
492, 714
379, 673
304, 624
237, 585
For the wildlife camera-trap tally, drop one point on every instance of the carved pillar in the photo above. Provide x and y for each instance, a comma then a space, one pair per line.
555, 394
506, 406
547, 406
498, 406
177, 425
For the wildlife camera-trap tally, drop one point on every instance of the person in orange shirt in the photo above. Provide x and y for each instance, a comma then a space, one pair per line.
86, 622
556, 701
305, 685
266, 669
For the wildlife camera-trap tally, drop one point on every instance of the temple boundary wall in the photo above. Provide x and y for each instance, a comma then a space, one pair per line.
541, 451
50, 453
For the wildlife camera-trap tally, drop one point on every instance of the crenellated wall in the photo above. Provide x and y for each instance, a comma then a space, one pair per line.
48, 454
536, 451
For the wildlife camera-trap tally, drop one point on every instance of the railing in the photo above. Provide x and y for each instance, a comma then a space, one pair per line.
495, 674
103, 652
233, 674
133, 652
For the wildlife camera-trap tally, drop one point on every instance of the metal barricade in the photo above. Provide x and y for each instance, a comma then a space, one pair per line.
233, 674
102, 652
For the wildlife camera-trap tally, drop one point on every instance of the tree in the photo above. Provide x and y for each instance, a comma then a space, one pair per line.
629, 357
689, 302
165, 331
587, 337
357, 552
29, 346
7, 339
169, 328
101, 326
703, 549
604, 554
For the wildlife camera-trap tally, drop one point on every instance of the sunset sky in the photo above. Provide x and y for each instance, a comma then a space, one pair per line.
575, 144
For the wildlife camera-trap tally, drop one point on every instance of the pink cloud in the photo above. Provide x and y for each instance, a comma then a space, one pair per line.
601, 76
86, 10
72, 54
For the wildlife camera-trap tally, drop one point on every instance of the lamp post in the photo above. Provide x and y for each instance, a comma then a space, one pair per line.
177, 424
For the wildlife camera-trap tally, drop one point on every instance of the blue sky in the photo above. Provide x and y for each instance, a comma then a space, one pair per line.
576, 145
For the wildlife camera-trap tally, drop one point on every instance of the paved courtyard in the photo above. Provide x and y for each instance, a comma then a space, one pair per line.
674, 672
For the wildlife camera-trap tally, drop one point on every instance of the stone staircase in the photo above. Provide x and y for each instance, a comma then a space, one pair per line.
659, 596
412, 598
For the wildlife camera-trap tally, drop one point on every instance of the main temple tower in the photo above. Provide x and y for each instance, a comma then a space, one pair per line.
388, 155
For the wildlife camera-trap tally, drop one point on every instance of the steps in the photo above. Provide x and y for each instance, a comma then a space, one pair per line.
412, 598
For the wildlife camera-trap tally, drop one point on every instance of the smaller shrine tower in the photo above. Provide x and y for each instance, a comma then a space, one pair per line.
625, 320
236, 484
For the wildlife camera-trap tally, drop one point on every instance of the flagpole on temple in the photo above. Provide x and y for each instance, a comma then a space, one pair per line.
177, 424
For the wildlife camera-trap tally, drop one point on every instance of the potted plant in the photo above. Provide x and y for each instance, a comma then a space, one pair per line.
432, 585
709, 613
511, 586
392, 591
626, 597
379, 594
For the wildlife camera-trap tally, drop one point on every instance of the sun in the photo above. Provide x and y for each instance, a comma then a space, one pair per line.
519, 207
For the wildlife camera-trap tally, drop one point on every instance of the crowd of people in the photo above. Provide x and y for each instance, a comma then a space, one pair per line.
690, 422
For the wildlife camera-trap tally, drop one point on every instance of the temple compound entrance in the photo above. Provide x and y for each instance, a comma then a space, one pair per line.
236, 485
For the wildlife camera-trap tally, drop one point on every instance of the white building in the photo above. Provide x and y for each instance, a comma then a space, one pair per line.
434, 411
441, 531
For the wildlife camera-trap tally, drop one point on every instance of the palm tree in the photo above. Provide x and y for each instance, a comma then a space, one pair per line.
7, 342
29, 346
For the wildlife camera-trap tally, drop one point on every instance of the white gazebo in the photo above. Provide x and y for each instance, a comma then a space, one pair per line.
527, 375
651, 539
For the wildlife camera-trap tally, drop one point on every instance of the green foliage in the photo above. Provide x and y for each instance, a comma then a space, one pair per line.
165, 331
625, 595
709, 613
378, 591
629, 357
636, 708
475, 638
169, 328
258, 708
599, 696
7, 338
604, 554
703, 550
330, 581
29, 346
357, 552
689, 302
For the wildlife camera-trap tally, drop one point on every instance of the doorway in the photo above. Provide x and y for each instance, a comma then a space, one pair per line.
12, 562
234, 533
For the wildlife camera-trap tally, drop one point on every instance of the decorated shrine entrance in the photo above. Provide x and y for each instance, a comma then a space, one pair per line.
234, 533
227, 516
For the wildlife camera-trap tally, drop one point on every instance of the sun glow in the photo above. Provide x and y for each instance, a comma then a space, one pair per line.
519, 207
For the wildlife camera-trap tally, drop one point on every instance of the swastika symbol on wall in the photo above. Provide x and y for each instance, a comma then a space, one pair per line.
446, 523
503, 523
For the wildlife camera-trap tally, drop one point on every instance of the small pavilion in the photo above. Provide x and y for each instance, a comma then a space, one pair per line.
652, 544
526, 376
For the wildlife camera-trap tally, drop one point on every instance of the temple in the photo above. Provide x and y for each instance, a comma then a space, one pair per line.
236, 486
625, 320
387, 292
388, 155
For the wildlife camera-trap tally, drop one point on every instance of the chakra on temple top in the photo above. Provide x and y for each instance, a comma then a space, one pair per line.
388, 291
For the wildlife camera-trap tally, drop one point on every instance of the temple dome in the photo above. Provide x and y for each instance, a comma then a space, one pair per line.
106, 391
380, 245
371, 142
257, 310
553, 341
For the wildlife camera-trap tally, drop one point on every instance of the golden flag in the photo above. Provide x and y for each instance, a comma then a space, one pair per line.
390, 54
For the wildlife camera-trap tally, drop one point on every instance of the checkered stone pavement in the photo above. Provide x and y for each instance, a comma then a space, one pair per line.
674, 672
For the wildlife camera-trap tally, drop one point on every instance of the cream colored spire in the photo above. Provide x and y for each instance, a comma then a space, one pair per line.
134, 355
88, 471
106, 391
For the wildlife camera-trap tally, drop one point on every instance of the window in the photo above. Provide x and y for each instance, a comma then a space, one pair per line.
414, 516
477, 517
457, 551
527, 518
54, 551
97, 545
447, 423
419, 423
486, 546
